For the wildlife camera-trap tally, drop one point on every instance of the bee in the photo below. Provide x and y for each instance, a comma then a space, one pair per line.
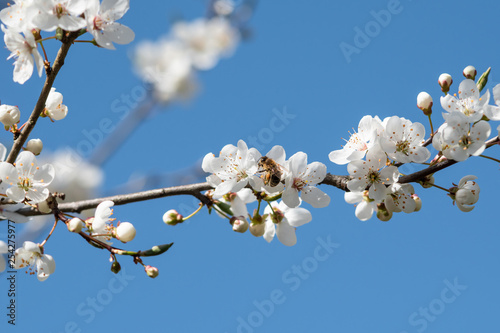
272, 171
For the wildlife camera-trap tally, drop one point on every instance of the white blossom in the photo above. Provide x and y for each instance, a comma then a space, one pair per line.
284, 221
206, 40
54, 108
372, 173
301, 177
402, 141
461, 140
238, 201
19, 15
399, 198
26, 180
469, 105
24, 49
232, 170
101, 226
167, 67
30, 256
365, 207
467, 194
101, 22
359, 142
64, 14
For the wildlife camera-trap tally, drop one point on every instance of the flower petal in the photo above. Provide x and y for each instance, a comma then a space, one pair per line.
286, 233
315, 197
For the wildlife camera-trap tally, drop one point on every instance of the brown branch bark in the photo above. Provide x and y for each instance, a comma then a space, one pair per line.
122, 199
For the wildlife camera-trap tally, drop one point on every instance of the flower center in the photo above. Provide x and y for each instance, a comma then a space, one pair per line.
373, 176
98, 23
356, 143
467, 106
403, 147
465, 142
59, 10
277, 216
24, 183
299, 184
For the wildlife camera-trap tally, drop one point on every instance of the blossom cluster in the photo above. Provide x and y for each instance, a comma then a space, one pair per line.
170, 64
24, 20
241, 175
375, 151
371, 155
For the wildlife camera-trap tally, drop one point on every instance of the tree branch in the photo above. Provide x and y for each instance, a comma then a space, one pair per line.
78, 206
40, 104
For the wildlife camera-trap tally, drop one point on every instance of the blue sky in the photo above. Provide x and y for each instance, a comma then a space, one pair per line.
431, 271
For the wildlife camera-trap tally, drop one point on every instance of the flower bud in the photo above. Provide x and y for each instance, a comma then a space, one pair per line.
257, 229
44, 207
35, 146
125, 232
445, 82
172, 217
470, 72
424, 103
115, 267
151, 271
239, 224
75, 225
9, 115
418, 202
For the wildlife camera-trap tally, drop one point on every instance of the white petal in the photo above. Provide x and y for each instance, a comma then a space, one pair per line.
15, 193
8, 173
286, 233
45, 174
468, 89
463, 208
277, 153
291, 197
364, 211
377, 191
37, 194
225, 187
315, 173
45, 266
298, 216
298, 163
315, 197
269, 231
353, 197
206, 164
